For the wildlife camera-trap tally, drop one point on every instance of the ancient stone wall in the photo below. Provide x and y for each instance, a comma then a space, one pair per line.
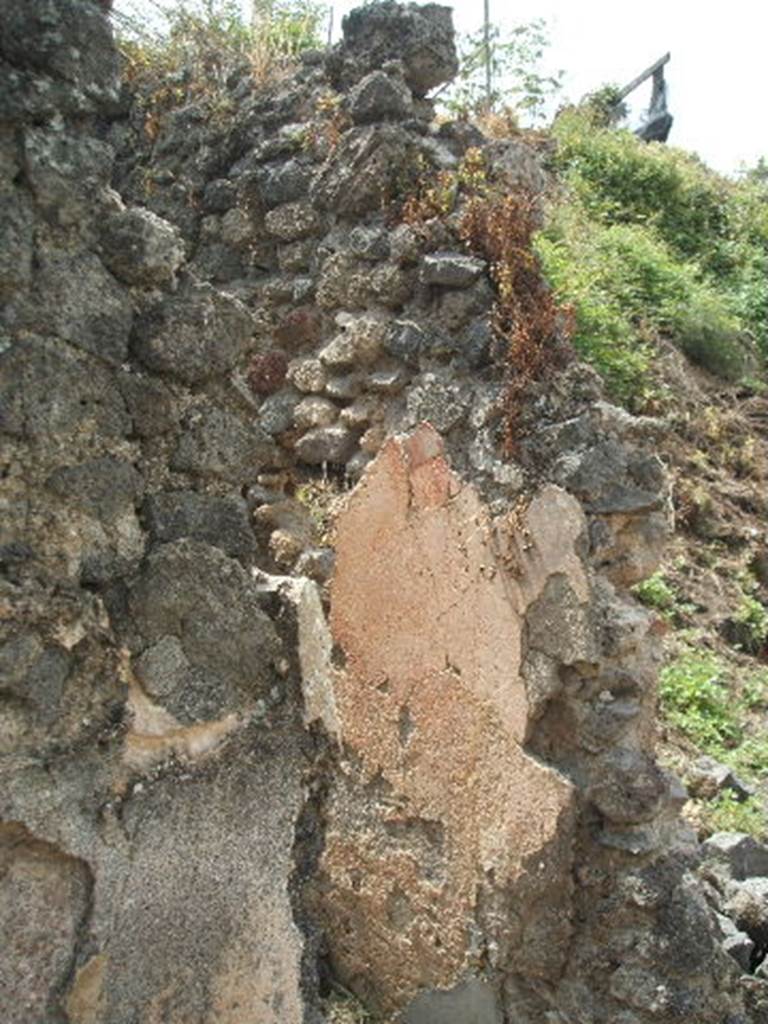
212, 798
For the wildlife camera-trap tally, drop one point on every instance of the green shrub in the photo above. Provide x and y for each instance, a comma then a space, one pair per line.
752, 616
750, 758
572, 261
727, 814
290, 26
604, 107
717, 717
516, 78
701, 241
755, 690
695, 699
655, 592
710, 335
622, 180
627, 287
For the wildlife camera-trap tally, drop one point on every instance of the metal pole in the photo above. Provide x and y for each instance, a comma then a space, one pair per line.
487, 40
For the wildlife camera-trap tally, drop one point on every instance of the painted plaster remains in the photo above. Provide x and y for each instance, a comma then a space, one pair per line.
440, 804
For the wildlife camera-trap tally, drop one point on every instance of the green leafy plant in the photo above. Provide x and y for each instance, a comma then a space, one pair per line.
696, 700
605, 106
715, 230
755, 690
646, 243
714, 707
656, 592
758, 173
727, 814
622, 180
627, 288
284, 28
516, 77
752, 616
750, 758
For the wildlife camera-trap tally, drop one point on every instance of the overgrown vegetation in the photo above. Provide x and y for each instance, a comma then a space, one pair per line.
696, 699
503, 74
645, 242
500, 226
712, 704
186, 50
751, 618
726, 813
642, 241
658, 593
641, 245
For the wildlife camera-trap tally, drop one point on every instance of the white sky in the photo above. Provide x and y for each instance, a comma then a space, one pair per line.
715, 77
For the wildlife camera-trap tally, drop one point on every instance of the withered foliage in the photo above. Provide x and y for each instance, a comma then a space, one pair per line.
500, 227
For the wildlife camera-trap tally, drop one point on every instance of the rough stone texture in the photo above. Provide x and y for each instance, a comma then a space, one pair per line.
151, 759
78, 301
222, 522
744, 856
149, 404
369, 243
216, 443
472, 1002
358, 344
191, 591
44, 897
362, 170
193, 336
451, 269
314, 412
379, 97
196, 773
204, 930
239, 950
736, 943
630, 788
140, 248
293, 221
308, 375
437, 400
421, 36
708, 777
326, 444
71, 68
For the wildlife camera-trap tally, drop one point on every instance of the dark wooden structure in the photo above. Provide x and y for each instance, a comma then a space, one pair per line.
658, 120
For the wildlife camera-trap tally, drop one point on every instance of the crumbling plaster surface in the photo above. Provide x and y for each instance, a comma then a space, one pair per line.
189, 917
429, 608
